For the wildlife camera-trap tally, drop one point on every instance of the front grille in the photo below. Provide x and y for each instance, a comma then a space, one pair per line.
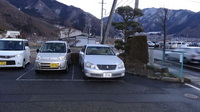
47, 66
7, 57
101, 75
107, 67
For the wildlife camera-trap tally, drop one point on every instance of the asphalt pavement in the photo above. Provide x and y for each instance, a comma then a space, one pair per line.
22, 90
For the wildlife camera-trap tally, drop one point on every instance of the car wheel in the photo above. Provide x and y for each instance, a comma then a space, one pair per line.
24, 64
185, 60
37, 71
82, 68
66, 70
167, 57
85, 77
69, 63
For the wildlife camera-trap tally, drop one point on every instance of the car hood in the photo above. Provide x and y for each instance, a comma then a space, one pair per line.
10, 53
50, 55
101, 59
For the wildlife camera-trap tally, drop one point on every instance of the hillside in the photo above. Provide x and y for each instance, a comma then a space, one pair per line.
13, 19
55, 12
40, 16
179, 22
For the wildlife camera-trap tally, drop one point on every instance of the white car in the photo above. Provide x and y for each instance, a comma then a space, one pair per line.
100, 61
53, 55
190, 54
150, 44
14, 52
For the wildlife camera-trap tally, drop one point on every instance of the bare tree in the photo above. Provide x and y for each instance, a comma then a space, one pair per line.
163, 23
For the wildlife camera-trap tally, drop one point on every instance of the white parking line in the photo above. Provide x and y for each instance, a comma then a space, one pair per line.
73, 73
24, 74
65, 80
69, 80
192, 86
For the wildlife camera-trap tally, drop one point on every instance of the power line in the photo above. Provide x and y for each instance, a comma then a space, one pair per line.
126, 2
119, 3
193, 1
122, 3
131, 1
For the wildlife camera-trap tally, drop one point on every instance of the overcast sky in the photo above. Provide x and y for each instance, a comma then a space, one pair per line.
94, 6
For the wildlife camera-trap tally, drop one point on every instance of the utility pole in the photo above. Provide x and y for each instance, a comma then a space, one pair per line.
102, 20
109, 22
136, 4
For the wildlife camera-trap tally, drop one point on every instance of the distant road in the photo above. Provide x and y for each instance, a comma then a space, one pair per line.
158, 54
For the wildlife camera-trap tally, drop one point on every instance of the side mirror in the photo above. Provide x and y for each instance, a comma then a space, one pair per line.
69, 50
81, 53
37, 50
117, 53
26, 47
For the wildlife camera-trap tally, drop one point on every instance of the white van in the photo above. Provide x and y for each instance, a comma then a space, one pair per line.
176, 44
14, 52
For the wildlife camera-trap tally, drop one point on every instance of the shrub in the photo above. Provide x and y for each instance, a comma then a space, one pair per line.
138, 49
75, 58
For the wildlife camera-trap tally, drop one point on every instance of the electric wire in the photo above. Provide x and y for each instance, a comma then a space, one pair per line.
193, 1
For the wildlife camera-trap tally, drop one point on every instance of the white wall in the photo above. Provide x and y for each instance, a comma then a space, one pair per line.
83, 40
73, 32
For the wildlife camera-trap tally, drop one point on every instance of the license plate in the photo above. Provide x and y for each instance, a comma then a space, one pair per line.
3, 63
107, 75
53, 65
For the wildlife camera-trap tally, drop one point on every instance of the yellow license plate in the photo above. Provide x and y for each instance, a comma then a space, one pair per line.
3, 63
53, 65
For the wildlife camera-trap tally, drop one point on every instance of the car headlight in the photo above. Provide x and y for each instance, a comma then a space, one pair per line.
38, 57
62, 58
90, 65
18, 55
121, 65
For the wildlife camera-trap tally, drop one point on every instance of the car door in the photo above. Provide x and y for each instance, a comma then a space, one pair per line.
82, 55
27, 52
176, 53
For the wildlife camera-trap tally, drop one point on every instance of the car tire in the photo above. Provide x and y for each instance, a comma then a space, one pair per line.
85, 77
185, 60
66, 70
37, 71
23, 65
82, 70
167, 57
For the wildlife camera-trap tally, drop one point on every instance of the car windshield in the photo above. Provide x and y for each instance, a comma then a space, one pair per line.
11, 45
53, 48
94, 50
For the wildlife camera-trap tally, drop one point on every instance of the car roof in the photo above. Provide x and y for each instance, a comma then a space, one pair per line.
98, 45
13, 39
55, 42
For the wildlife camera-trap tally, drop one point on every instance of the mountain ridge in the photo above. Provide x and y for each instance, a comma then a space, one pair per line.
40, 16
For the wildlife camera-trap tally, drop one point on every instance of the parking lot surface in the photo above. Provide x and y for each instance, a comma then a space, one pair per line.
22, 90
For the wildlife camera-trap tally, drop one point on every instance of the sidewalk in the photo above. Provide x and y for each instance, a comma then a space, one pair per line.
194, 79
